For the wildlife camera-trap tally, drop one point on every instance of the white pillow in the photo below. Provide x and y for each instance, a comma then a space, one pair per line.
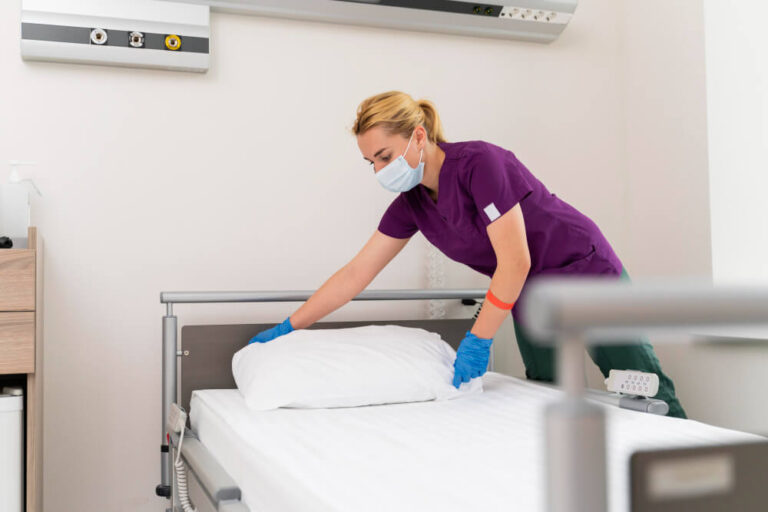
375, 364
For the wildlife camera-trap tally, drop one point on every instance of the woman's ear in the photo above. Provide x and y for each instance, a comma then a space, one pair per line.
420, 134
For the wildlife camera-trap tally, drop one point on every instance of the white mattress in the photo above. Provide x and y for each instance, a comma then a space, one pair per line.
481, 452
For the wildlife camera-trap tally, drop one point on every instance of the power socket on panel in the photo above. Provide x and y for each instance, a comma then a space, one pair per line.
536, 15
110, 33
629, 382
99, 36
136, 39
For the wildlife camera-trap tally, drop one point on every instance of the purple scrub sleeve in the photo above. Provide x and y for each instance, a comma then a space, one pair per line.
494, 189
397, 221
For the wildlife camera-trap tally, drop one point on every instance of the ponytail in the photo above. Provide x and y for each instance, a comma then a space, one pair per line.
432, 121
398, 113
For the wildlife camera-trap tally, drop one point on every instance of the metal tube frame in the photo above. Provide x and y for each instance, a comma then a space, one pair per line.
579, 312
171, 349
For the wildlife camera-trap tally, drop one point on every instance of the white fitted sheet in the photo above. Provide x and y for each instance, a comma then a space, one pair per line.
481, 452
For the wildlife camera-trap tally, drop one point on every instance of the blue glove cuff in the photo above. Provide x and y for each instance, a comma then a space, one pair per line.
274, 332
485, 342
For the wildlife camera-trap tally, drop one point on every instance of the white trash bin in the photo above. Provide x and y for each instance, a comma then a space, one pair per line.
11, 449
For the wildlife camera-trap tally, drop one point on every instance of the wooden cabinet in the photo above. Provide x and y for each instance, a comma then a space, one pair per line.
17, 280
21, 351
17, 342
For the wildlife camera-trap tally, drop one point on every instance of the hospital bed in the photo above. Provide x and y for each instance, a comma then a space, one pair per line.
484, 453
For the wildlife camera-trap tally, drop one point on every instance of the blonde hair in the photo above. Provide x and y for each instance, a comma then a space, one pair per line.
398, 113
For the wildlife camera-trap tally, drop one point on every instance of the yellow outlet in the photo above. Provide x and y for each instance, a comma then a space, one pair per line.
173, 42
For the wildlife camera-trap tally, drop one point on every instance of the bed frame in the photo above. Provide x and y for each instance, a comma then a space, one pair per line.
205, 360
206, 363
577, 312
205, 357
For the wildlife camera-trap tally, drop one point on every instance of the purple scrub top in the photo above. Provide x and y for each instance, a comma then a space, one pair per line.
480, 182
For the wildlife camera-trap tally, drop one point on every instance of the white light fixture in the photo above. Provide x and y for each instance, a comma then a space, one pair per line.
539, 21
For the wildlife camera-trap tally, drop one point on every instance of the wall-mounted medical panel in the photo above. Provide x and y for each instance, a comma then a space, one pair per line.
539, 21
135, 33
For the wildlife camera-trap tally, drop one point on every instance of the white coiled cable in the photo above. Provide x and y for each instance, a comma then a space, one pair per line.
181, 479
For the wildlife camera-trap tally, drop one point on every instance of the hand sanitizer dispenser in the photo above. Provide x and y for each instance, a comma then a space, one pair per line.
14, 206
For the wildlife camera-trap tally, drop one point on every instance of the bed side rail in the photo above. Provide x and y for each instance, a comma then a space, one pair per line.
220, 488
633, 403
233, 506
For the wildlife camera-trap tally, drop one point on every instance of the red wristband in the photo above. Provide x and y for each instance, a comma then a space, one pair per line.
498, 303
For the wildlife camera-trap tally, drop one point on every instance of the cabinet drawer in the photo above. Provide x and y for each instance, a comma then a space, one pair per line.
17, 280
17, 342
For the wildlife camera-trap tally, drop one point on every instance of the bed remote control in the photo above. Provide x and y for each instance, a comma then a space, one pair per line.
629, 382
177, 418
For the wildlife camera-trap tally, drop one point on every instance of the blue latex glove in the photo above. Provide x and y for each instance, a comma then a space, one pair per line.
276, 331
471, 358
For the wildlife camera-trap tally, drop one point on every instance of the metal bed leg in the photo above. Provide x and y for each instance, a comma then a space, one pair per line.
169, 396
575, 441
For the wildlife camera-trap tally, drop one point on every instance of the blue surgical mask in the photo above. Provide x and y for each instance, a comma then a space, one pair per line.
398, 176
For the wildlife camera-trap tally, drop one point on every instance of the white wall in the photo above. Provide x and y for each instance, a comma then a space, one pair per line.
665, 206
731, 376
247, 178
666, 139
737, 94
690, 65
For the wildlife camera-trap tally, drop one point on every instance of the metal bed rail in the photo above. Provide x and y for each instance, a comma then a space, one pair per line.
171, 352
630, 402
302, 295
578, 312
209, 483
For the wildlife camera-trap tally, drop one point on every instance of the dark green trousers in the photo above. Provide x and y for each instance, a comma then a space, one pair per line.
540, 363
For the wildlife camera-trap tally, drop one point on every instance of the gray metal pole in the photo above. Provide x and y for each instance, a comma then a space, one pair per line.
169, 390
575, 440
302, 295
608, 310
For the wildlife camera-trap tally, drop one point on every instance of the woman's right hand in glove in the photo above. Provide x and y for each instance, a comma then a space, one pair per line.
274, 332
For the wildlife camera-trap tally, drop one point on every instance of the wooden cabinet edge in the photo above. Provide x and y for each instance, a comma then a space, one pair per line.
34, 445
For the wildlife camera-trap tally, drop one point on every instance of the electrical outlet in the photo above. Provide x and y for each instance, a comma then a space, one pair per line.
536, 15
99, 36
136, 39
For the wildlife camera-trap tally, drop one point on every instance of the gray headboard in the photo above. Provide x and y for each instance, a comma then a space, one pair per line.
207, 350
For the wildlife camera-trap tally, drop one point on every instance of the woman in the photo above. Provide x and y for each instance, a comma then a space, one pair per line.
480, 206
